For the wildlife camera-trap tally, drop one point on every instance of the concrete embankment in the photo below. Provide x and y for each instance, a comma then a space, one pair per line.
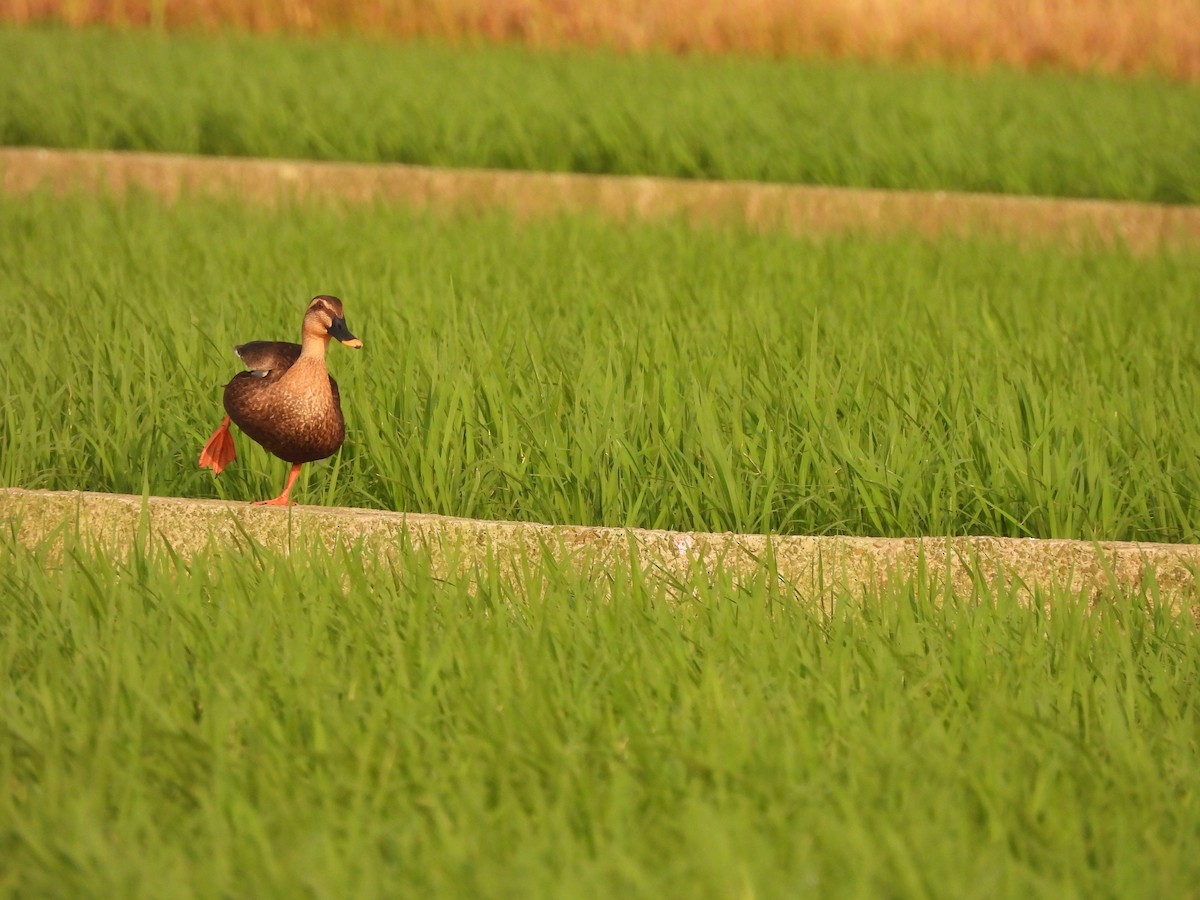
817, 567
796, 209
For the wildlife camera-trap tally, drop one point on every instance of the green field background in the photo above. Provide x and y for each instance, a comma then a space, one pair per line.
815, 123
573, 371
329, 724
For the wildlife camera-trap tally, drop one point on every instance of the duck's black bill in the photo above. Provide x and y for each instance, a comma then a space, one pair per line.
339, 330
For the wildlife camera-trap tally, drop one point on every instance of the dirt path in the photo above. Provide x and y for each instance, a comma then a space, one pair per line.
817, 567
796, 209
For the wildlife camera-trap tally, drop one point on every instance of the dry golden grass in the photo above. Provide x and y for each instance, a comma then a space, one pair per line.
1123, 36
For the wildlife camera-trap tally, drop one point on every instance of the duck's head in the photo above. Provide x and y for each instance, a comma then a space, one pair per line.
326, 320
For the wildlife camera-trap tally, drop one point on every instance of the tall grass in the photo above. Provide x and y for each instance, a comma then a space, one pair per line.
574, 371
249, 724
831, 124
1085, 35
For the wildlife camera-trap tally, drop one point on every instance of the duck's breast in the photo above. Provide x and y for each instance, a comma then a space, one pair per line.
295, 414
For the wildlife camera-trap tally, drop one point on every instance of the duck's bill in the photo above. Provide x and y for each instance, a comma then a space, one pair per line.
339, 330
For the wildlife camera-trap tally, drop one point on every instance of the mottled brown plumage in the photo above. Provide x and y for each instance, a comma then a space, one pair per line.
286, 399
297, 419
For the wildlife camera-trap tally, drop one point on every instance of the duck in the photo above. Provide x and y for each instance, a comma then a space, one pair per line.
286, 400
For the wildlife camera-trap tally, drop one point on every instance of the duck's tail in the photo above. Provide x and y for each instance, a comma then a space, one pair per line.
218, 452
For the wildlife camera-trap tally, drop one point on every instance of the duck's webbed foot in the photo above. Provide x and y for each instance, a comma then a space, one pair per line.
282, 499
218, 452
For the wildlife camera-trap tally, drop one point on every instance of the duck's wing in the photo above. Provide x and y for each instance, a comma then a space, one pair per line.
268, 358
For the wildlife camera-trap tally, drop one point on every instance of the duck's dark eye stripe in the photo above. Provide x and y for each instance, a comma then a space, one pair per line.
324, 307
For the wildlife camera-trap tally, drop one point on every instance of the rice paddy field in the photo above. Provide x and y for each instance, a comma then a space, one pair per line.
581, 372
330, 723
246, 724
847, 124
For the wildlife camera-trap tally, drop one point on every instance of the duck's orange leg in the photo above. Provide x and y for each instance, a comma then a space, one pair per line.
218, 452
282, 499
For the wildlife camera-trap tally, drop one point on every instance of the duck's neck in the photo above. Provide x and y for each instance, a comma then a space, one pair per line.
313, 347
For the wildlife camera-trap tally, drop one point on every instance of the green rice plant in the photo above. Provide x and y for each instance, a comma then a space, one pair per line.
576, 371
327, 724
732, 118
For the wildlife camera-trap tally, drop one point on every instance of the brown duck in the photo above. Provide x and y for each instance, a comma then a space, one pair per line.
286, 400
